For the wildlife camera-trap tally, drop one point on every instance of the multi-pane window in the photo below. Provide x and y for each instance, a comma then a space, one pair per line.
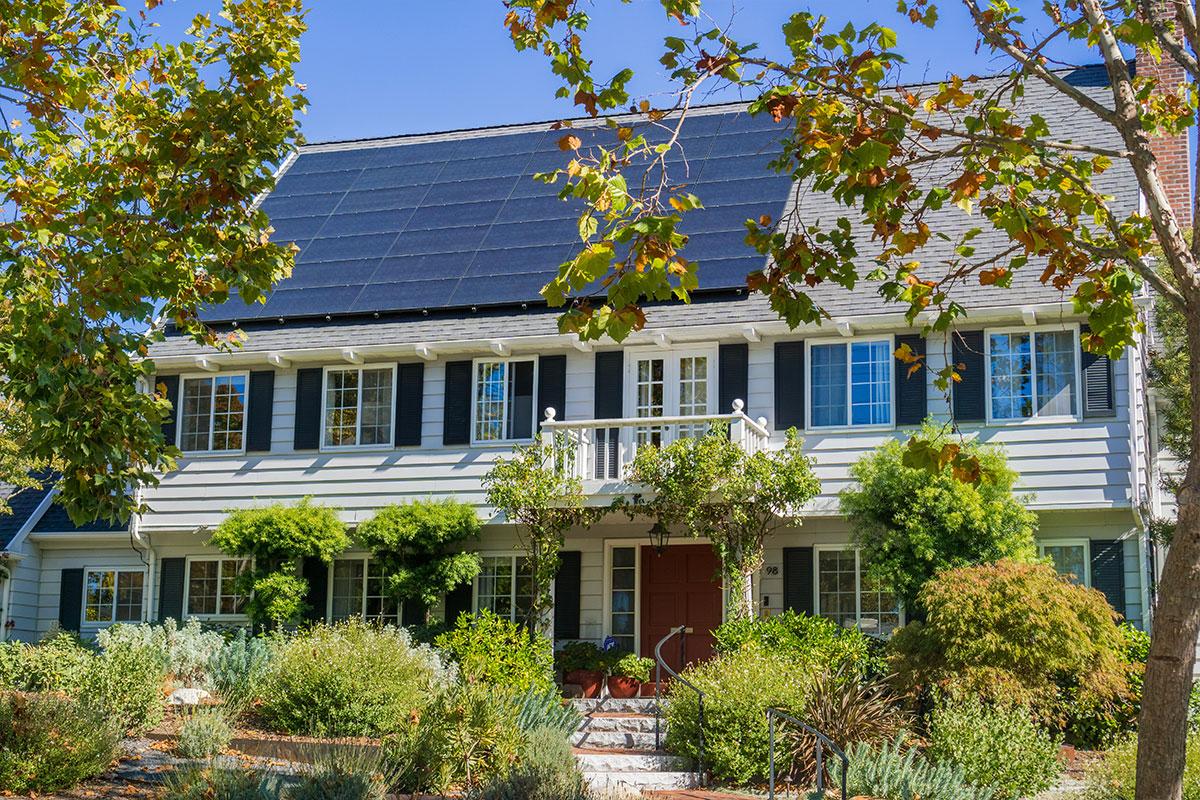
1069, 556
1032, 374
358, 406
668, 386
505, 587
211, 588
113, 595
358, 591
650, 398
213, 413
848, 596
623, 597
693, 392
851, 384
503, 400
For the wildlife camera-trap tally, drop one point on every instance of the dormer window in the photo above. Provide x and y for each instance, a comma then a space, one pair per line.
214, 413
358, 406
503, 404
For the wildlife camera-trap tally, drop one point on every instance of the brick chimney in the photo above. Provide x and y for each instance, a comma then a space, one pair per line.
1172, 153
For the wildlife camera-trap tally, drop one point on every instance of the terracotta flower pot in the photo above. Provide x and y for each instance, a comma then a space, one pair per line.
587, 680
648, 688
622, 687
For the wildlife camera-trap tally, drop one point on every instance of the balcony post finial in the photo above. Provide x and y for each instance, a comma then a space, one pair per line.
550, 412
738, 405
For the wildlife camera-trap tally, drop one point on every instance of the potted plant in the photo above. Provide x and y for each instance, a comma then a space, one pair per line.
627, 673
582, 663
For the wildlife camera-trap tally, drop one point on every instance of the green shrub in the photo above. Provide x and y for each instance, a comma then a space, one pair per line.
584, 656
739, 685
350, 679
625, 664
814, 641
1112, 778
59, 663
185, 650
1016, 634
896, 771
128, 680
538, 708
214, 783
548, 770
204, 733
50, 742
1001, 748
358, 780
238, 671
489, 648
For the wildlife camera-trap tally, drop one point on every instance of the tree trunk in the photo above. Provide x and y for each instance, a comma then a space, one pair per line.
1162, 725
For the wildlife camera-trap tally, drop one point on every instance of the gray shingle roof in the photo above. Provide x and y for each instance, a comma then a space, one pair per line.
55, 520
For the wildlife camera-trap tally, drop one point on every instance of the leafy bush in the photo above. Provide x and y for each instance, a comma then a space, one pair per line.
204, 733
1015, 634
813, 641
895, 771
489, 648
585, 656
911, 523
50, 742
59, 663
214, 783
1002, 748
1112, 778
547, 771
625, 664
238, 670
350, 774
185, 650
128, 680
739, 685
350, 679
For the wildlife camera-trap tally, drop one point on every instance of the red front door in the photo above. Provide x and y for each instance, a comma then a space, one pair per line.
680, 587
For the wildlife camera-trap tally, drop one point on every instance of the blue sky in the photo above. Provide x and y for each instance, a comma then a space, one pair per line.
386, 67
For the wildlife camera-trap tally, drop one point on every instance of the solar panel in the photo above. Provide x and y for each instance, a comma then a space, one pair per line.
358, 222
310, 302
315, 182
406, 294
373, 245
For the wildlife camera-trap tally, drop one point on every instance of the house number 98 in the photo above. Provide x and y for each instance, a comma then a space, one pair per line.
771, 570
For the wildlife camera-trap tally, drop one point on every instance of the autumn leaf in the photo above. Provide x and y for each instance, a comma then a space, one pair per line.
569, 142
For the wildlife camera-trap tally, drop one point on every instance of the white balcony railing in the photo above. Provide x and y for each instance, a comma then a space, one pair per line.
603, 448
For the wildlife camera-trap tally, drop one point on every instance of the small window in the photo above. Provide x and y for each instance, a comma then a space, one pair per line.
848, 596
1033, 374
358, 591
358, 406
213, 417
851, 384
210, 589
624, 597
503, 400
1069, 557
113, 596
505, 587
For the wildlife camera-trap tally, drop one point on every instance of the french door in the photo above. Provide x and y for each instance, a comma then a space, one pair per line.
670, 384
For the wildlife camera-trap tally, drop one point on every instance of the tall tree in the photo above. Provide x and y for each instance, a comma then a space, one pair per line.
897, 158
128, 172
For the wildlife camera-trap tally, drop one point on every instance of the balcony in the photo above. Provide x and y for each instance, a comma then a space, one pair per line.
603, 448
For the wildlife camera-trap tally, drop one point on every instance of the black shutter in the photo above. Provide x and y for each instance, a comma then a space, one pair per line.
789, 385
970, 393
733, 378
170, 589
552, 387
798, 579
410, 397
70, 599
520, 405
308, 408
456, 422
1098, 396
911, 395
316, 572
169, 426
261, 397
610, 385
566, 595
458, 602
1108, 571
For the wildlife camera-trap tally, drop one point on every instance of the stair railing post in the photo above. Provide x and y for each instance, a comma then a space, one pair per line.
771, 756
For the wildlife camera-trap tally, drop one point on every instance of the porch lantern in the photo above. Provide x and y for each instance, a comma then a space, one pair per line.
659, 534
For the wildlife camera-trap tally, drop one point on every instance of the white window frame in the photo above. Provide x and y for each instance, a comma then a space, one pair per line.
514, 556
858, 576
187, 587
609, 546
84, 622
848, 341
362, 611
506, 439
1033, 330
344, 448
178, 413
1086, 544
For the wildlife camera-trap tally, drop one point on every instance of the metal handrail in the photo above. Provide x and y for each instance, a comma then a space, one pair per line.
772, 713
660, 665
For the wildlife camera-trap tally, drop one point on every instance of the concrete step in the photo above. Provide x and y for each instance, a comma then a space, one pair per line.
634, 783
613, 705
614, 740
623, 723
608, 761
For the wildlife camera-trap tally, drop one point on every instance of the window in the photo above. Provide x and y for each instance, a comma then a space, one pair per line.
113, 595
667, 385
1032, 374
846, 595
503, 400
358, 592
850, 384
505, 587
624, 597
1069, 556
210, 587
214, 413
358, 406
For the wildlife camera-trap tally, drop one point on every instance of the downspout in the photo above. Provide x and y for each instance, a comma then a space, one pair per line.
5, 601
136, 536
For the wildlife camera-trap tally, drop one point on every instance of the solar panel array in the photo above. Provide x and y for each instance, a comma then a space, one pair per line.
458, 223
